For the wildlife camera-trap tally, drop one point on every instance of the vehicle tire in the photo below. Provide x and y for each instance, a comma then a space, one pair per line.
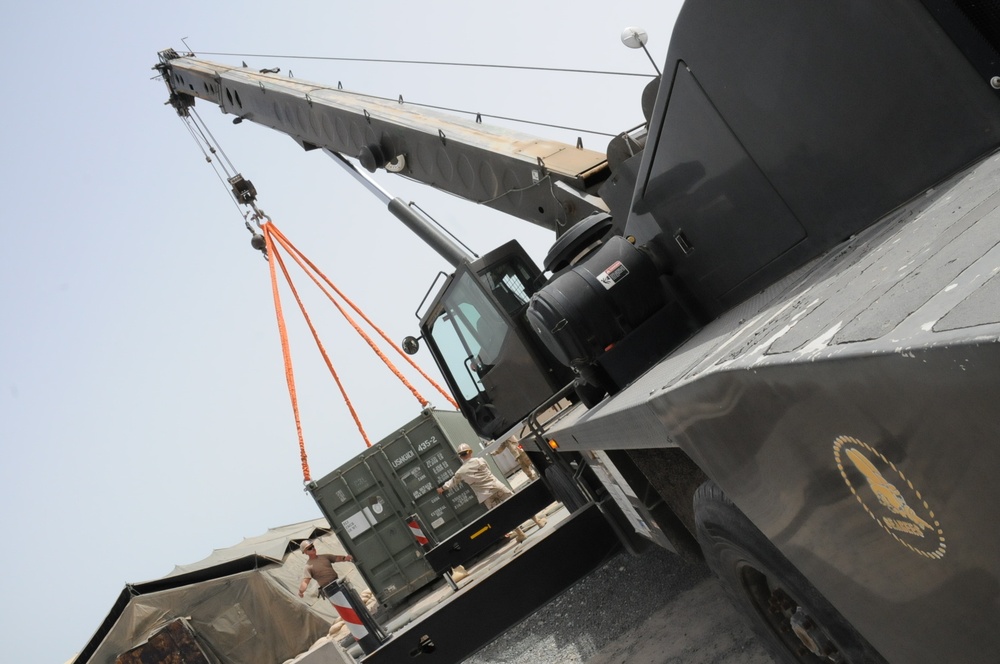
563, 488
794, 621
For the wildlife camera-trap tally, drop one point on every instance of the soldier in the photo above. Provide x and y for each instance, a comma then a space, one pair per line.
474, 472
319, 567
488, 489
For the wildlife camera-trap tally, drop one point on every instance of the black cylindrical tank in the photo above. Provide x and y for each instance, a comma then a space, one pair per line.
590, 306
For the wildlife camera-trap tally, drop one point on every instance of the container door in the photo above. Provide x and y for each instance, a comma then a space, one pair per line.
420, 461
365, 514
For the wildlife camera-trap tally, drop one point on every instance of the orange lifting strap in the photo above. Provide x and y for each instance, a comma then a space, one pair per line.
273, 237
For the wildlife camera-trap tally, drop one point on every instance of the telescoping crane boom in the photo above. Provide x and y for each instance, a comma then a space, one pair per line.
779, 324
542, 181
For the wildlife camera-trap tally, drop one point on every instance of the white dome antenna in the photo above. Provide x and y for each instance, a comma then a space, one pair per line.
637, 38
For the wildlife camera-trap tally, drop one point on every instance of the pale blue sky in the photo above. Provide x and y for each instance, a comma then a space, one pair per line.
144, 418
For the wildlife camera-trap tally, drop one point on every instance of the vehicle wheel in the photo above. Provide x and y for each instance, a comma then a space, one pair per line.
795, 622
563, 488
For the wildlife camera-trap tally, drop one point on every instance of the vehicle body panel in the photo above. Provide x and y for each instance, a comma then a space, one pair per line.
890, 347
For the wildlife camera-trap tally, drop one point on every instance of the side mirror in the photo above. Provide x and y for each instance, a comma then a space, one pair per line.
411, 345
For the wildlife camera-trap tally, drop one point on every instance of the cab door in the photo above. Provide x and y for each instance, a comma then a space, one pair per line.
491, 359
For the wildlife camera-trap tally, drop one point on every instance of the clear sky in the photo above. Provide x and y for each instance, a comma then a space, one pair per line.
144, 418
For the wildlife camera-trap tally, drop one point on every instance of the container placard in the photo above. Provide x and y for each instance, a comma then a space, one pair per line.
356, 524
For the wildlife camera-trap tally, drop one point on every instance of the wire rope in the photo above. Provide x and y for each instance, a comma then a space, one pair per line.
490, 116
215, 142
483, 65
455, 64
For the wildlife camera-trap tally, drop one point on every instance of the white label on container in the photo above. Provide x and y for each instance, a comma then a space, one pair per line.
356, 524
437, 523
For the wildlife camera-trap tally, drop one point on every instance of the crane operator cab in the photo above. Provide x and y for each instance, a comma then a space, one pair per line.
508, 339
476, 330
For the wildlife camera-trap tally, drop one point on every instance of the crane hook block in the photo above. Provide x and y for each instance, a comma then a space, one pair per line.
243, 189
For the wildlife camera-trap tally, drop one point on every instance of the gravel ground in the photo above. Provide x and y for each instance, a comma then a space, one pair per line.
650, 609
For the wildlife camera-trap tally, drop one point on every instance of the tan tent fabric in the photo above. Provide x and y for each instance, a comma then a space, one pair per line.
273, 544
241, 602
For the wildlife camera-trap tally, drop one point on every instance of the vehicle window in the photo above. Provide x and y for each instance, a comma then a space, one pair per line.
469, 333
510, 282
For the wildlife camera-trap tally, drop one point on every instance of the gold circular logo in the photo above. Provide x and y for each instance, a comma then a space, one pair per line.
889, 497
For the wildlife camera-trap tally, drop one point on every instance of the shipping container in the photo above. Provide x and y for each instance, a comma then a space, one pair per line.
369, 500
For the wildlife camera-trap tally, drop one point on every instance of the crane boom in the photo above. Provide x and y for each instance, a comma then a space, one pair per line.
546, 182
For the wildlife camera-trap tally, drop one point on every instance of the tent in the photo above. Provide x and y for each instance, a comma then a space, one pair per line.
240, 604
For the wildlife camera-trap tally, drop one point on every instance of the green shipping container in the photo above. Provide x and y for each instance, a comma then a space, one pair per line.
369, 499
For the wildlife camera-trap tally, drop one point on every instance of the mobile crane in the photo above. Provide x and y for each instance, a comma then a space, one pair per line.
775, 306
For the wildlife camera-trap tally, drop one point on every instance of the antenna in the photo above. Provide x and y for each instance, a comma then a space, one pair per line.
637, 38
